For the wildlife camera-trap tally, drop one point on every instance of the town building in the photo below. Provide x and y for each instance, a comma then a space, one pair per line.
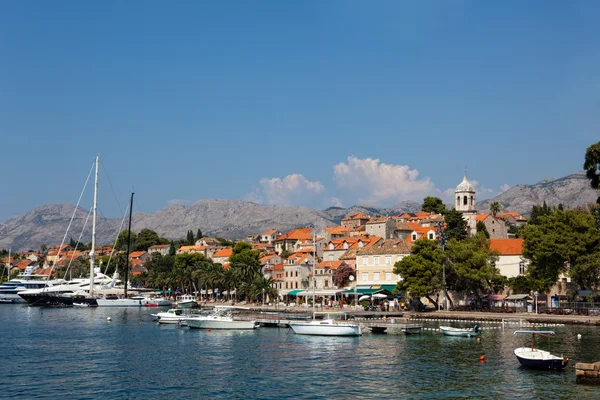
375, 264
465, 203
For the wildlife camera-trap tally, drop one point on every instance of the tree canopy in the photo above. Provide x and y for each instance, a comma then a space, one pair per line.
456, 226
592, 166
562, 241
433, 205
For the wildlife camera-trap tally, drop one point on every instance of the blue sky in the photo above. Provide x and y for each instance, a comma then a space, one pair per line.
313, 103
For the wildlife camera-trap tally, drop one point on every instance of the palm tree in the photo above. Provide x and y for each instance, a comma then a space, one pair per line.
494, 208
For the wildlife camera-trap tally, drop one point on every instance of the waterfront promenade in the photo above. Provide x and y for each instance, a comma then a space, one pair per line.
411, 316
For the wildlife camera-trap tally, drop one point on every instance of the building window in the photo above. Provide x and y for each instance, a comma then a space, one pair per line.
465, 202
365, 261
430, 235
296, 273
388, 260
388, 276
286, 285
376, 276
458, 200
286, 274
414, 237
522, 268
365, 276
472, 200
376, 260
326, 283
296, 285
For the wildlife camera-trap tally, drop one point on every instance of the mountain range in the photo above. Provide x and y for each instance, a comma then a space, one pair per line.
235, 219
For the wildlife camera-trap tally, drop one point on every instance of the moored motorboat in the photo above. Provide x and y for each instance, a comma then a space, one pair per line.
326, 327
220, 318
530, 357
186, 301
172, 316
462, 332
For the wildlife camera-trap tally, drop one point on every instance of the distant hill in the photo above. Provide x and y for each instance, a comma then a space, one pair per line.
571, 191
236, 219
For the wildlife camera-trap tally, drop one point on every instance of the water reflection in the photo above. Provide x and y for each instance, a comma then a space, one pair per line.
76, 353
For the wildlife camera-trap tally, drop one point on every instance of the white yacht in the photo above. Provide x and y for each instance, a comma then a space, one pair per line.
186, 301
173, 316
220, 318
112, 300
326, 327
9, 291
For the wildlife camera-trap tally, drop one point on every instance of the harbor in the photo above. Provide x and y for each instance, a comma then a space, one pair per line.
133, 357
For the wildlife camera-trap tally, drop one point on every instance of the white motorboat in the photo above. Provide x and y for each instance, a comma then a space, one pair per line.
220, 318
9, 291
326, 327
158, 302
173, 316
186, 301
463, 332
530, 357
116, 301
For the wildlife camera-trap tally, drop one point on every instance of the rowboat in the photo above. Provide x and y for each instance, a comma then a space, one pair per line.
464, 332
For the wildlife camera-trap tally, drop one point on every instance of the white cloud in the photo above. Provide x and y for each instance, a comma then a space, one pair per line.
504, 188
294, 189
336, 202
377, 183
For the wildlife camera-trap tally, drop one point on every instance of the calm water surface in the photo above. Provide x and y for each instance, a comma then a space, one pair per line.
76, 354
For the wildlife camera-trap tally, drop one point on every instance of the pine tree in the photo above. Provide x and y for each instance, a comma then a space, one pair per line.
190, 238
199, 235
172, 249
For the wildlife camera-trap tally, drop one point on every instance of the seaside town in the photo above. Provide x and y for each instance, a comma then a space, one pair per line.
458, 259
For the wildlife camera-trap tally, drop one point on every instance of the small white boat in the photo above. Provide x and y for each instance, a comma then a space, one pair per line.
326, 327
220, 318
186, 301
111, 300
173, 316
158, 302
530, 357
464, 332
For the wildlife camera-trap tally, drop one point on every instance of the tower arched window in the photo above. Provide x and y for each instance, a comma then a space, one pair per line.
457, 201
465, 201
472, 200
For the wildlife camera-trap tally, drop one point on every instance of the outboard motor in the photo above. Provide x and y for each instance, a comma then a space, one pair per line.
476, 328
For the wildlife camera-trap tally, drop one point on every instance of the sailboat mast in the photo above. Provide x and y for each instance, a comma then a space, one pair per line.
128, 243
314, 279
93, 249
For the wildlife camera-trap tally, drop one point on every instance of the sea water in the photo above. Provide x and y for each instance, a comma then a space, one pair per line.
76, 353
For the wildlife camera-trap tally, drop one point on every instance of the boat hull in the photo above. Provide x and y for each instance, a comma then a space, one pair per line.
323, 329
540, 359
186, 304
460, 332
47, 300
120, 302
207, 323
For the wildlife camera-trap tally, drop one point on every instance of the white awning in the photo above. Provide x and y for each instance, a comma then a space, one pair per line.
321, 292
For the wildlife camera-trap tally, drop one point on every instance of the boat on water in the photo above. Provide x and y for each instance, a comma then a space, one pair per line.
220, 318
158, 302
462, 332
172, 316
326, 327
9, 291
113, 300
186, 301
530, 357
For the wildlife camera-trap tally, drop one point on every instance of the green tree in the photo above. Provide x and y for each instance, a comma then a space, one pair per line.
470, 266
433, 205
494, 208
199, 234
43, 248
421, 271
121, 243
483, 229
520, 284
72, 243
538, 211
160, 269
244, 265
190, 238
592, 166
145, 239
560, 240
456, 226
172, 250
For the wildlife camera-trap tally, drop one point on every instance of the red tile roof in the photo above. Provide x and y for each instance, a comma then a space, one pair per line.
227, 252
507, 247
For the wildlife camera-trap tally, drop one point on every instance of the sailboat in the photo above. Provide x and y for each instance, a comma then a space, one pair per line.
64, 294
324, 327
112, 300
531, 357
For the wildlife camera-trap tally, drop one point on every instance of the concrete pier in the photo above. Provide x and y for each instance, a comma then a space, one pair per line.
588, 373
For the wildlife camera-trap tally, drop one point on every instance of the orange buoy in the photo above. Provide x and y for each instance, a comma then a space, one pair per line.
209, 329
482, 358
177, 327
478, 340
